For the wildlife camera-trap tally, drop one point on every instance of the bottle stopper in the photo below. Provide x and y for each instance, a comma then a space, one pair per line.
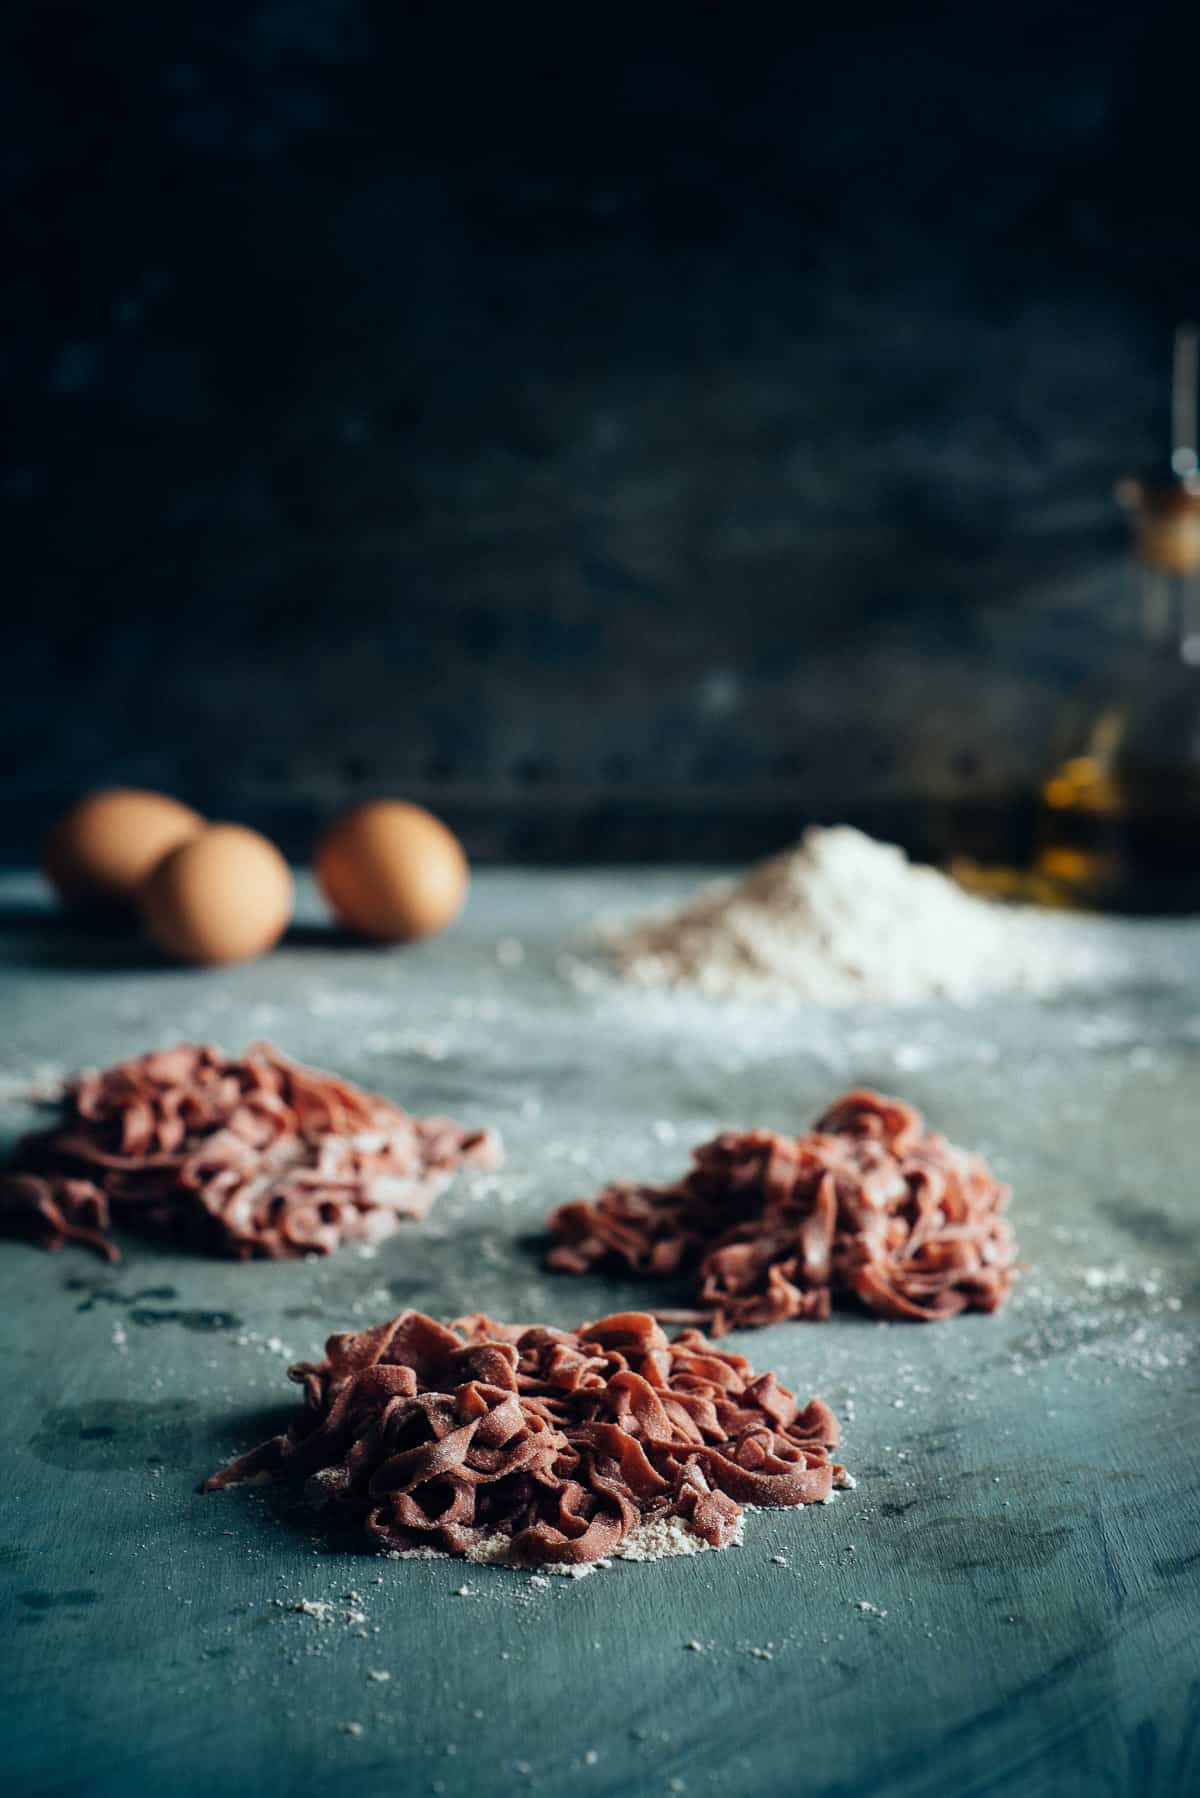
1166, 510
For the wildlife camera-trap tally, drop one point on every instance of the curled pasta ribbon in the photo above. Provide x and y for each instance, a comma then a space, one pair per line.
258, 1156
868, 1204
561, 1441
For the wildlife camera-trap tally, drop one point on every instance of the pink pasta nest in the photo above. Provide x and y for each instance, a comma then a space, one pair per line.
557, 1442
257, 1156
767, 1227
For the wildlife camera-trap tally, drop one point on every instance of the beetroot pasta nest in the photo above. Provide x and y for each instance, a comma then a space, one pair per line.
560, 1442
250, 1156
868, 1203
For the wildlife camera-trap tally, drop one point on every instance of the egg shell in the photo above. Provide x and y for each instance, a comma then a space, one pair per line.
100, 853
392, 871
224, 896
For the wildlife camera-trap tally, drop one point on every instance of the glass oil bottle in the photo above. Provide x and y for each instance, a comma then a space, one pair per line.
1119, 815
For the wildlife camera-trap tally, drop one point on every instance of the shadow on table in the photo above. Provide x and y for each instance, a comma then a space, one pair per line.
26, 914
54, 939
57, 939
307, 933
286, 1503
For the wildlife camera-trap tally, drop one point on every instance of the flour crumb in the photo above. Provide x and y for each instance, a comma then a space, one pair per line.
762, 1654
867, 1608
664, 1537
318, 1608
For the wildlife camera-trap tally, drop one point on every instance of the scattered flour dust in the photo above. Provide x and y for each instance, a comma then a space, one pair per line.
46, 1085
320, 1608
655, 1540
842, 918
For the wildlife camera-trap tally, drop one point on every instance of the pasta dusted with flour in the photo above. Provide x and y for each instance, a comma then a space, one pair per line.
554, 1444
257, 1156
768, 1227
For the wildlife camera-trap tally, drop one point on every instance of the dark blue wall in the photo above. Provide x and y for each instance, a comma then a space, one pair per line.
629, 439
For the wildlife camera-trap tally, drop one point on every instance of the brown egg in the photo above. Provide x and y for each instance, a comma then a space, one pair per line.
98, 856
392, 871
224, 896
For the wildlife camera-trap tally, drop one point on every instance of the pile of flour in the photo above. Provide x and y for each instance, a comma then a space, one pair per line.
842, 919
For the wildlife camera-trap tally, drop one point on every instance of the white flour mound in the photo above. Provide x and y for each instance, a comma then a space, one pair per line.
842, 919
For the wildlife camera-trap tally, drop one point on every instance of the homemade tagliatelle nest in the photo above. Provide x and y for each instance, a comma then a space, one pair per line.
257, 1156
868, 1203
554, 1444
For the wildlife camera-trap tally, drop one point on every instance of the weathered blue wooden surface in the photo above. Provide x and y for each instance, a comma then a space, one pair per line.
1027, 1509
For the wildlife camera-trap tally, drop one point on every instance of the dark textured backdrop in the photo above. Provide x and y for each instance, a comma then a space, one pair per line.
630, 439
